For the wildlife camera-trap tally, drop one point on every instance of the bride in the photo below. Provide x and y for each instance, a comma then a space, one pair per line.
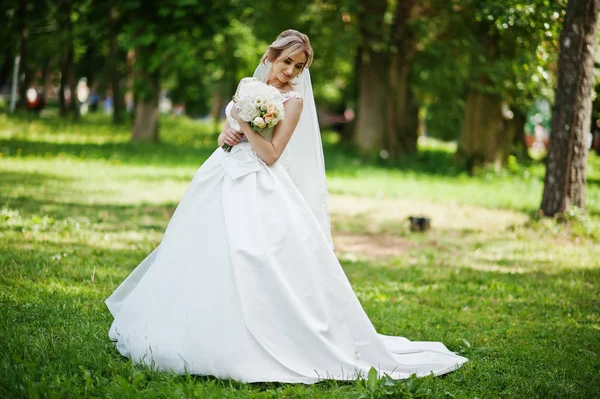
245, 283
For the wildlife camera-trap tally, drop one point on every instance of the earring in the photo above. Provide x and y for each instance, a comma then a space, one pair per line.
296, 80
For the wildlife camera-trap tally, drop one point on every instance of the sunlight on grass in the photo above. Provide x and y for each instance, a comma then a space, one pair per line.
393, 214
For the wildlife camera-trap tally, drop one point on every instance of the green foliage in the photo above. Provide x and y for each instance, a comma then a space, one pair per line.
524, 68
333, 27
201, 49
504, 48
199, 71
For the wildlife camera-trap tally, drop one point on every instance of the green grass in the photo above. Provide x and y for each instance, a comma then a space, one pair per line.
80, 207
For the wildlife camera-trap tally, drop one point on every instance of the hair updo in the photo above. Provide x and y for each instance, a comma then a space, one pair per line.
289, 41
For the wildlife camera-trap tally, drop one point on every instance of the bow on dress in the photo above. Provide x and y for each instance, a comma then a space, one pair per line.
241, 161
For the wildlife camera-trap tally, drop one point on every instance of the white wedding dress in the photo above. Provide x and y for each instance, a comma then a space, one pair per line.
245, 285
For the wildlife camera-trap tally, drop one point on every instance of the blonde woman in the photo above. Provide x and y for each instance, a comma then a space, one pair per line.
245, 284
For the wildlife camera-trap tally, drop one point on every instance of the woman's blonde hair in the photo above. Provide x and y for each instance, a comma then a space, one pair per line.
289, 41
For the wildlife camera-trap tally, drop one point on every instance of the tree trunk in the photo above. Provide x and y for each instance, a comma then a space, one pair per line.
347, 132
73, 85
484, 139
116, 60
371, 118
387, 120
24, 52
371, 107
145, 127
403, 110
64, 83
67, 73
410, 136
519, 145
46, 81
564, 185
5, 67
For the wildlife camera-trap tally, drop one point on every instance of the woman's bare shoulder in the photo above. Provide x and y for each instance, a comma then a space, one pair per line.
294, 103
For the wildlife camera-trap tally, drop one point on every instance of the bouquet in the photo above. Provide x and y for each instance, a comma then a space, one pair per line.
258, 104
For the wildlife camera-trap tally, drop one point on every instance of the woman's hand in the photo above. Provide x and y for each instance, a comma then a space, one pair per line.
235, 114
231, 136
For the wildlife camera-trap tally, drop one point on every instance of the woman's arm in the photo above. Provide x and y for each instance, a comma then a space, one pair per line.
229, 136
270, 151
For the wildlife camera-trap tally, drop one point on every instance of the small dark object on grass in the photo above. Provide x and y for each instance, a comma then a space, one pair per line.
419, 223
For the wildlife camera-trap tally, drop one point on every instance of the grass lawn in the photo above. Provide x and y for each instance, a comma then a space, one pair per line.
80, 207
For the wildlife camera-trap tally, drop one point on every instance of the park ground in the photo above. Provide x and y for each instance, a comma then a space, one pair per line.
81, 206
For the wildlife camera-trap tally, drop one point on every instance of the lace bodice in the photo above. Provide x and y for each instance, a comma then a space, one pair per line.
290, 94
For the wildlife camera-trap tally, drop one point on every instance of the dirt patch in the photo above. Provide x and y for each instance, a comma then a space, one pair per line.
447, 216
371, 245
378, 228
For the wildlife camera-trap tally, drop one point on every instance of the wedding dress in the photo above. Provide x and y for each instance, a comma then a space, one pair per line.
245, 285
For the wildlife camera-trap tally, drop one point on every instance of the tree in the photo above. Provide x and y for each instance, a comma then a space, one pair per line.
564, 185
371, 120
67, 72
156, 34
387, 109
510, 59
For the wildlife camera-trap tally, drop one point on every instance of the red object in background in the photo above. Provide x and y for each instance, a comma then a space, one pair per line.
596, 141
531, 141
35, 101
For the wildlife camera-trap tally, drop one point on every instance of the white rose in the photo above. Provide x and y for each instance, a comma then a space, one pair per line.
259, 122
247, 111
259, 101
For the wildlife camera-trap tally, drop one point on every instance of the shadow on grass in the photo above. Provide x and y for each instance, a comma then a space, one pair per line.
106, 217
593, 182
10, 179
338, 159
165, 154
346, 159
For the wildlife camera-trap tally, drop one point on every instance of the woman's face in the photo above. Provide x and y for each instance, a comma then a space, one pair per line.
287, 67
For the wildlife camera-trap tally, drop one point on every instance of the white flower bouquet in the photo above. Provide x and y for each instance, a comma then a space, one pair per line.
258, 104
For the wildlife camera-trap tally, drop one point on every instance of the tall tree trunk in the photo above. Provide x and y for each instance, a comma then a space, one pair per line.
402, 114
46, 80
24, 51
347, 132
410, 122
484, 139
65, 72
387, 109
116, 60
145, 126
73, 85
371, 118
564, 185
5, 67
519, 145
595, 117
371, 107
